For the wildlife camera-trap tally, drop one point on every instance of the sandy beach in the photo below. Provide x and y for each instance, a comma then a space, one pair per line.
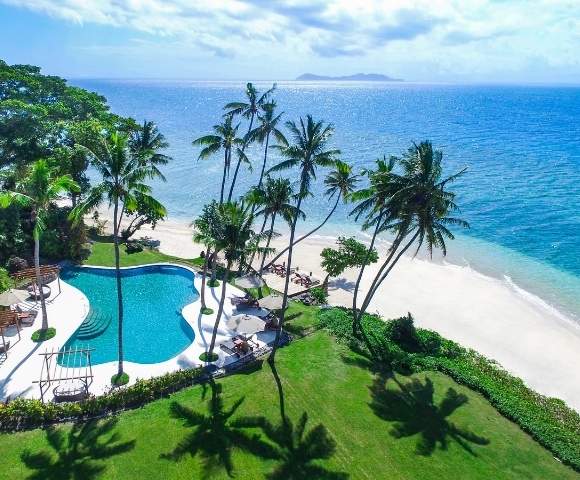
522, 333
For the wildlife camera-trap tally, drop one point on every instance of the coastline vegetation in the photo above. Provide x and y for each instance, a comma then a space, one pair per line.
388, 385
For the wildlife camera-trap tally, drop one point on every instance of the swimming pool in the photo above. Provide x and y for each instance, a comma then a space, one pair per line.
153, 296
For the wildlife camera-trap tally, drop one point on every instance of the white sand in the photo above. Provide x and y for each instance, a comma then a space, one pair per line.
525, 335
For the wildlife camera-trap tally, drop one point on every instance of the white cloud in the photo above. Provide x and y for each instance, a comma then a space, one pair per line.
461, 35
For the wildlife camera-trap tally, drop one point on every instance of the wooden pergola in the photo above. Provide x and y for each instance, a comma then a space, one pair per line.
28, 274
74, 370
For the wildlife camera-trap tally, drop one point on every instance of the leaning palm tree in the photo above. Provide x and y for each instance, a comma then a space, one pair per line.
40, 188
146, 142
122, 185
232, 238
377, 203
307, 152
248, 109
419, 211
340, 182
268, 127
225, 138
278, 197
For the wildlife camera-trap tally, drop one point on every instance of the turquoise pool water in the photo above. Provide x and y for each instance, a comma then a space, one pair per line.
153, 297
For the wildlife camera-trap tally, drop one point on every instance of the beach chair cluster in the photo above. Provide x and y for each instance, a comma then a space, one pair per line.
239, 346
305, 280
246, 301
13, 319
278, 269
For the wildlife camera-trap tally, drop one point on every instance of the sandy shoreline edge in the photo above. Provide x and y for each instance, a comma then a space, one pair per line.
524, 334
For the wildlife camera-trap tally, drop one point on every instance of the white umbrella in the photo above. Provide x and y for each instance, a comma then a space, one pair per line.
272, 302
249, 281
12, 297
247, 324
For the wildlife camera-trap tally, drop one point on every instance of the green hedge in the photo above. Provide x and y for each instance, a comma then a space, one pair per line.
548, 420
27, 413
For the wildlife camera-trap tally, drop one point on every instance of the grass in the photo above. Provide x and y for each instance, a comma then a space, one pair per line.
366, 415
42, 335
421, 426
119, 380
103, 254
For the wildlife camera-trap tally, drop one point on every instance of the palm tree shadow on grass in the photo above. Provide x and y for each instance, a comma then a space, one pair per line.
79, 451
215, 435
295, 449
415, 412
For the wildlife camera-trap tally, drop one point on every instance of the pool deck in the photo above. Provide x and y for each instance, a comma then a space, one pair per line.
67, 310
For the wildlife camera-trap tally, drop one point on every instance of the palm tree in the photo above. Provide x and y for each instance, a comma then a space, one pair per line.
122, 185
232, 238
38, 190
146, 143
206, 226
268, 127
340, 182
307, 152
375, 203
419, 209
225, 138
248, 109
278, 195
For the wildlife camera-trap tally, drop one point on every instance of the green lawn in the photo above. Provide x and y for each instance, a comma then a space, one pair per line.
333, 386
424, 426
103, 254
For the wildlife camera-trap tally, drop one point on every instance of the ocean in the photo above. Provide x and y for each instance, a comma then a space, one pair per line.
521, 145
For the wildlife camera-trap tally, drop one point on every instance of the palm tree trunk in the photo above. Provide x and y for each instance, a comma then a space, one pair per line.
379, 278
254, 252
267, 244
306, 235
265, 160
213, 268
355, 322
271, 358
240, 160
220, 310
39, 279
203, 278
224, 176
119, 287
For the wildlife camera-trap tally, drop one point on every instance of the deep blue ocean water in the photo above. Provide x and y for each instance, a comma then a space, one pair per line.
521, 145
153, 297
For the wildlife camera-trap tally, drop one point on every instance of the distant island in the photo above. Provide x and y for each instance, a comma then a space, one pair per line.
357, 77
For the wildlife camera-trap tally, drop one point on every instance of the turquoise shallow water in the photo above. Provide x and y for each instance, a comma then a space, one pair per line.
521, 145
153, 297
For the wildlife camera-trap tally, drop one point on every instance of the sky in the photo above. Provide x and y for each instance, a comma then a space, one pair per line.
459, 41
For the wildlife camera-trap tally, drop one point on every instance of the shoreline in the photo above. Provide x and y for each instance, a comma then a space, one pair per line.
526, 335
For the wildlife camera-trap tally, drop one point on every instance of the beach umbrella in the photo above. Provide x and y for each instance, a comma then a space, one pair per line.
249, 281
12, 297
247, 324
272, 302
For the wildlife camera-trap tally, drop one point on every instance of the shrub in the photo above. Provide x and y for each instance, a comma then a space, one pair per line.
206, 357
548, 420
120, 379
5, 281
42, 335
402, 331
319, 294
133, 247
15, 264
28, 413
